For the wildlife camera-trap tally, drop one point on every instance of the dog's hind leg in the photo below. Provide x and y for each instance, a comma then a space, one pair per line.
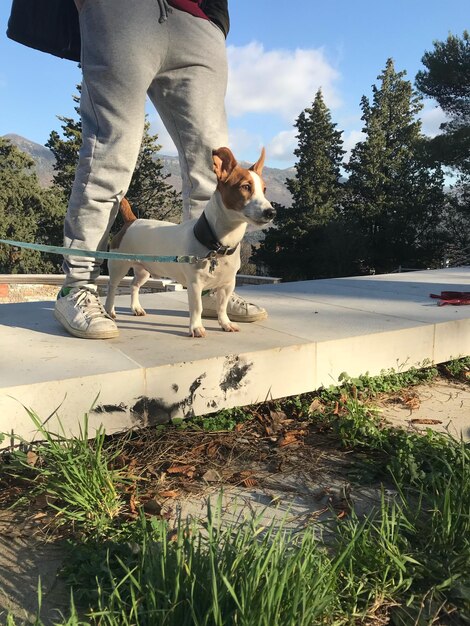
141, 276
117, 271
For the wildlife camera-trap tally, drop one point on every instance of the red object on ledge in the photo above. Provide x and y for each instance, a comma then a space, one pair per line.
455, 298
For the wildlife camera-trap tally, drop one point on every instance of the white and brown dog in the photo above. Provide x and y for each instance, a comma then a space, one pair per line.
239, 200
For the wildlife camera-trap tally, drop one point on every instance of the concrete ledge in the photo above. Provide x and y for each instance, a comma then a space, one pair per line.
36, 287
315, 331
58, 280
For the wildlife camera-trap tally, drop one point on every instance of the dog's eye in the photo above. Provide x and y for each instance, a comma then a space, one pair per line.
264, 189
246, 187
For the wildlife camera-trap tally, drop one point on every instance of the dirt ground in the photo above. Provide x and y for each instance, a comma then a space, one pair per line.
301, 478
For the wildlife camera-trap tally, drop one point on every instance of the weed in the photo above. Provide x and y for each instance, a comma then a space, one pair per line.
75, 475
224, 420
379, 565
387, 381
457, 368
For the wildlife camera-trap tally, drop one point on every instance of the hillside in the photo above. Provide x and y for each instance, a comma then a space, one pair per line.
42, 156
274, 178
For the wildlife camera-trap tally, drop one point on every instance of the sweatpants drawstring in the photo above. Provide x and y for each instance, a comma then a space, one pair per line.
165, 8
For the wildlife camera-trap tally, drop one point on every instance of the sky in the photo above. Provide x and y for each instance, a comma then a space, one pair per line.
280, 54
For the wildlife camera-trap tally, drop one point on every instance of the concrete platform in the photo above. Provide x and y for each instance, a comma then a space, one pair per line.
153, 372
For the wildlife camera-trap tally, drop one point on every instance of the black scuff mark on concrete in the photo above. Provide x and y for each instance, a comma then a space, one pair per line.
153, 411
196, 384
111, 408
175, 387
234, 372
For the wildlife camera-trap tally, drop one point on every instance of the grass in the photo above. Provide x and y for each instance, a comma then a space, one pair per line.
405, 563
244, 575
76, 477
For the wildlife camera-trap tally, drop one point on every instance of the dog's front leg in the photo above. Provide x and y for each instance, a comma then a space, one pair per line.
141, 276
196, 329
223, 297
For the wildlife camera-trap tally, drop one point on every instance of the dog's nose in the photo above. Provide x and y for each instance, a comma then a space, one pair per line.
270, 213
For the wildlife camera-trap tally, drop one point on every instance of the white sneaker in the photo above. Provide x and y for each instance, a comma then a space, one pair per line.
81, 313
238, 309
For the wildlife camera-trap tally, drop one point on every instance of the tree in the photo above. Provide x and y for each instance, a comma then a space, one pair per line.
27, 213
394, 199
447, 80
148, 193
293, 247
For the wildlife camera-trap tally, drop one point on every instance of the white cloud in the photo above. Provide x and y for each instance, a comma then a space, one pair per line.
243, 142
281, 82
282, 146
432, 118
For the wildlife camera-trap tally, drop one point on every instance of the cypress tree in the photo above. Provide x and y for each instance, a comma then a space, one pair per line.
292, 248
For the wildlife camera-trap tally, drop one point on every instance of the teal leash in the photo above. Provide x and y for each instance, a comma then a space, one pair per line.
99, 254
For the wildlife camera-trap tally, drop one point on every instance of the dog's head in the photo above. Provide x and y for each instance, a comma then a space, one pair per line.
241, 189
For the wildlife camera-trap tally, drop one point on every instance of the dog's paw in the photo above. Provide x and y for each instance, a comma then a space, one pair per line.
230, 327
138, 310
199, 331
112, 314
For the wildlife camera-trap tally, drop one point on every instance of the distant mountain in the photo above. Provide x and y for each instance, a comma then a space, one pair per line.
42, 156
274, 178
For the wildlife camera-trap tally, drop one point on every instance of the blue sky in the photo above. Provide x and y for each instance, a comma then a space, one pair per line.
279, 54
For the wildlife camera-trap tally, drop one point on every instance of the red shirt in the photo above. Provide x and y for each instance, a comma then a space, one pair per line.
190, 6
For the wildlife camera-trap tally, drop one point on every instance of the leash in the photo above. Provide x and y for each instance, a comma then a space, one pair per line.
99, 254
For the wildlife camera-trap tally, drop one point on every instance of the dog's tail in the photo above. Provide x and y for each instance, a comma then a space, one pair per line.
126, 211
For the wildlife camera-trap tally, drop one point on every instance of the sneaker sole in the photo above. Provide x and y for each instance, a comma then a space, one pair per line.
83, 334
255, 317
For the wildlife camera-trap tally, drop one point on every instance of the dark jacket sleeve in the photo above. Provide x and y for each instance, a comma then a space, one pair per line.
217, 12
47, 25
52, 25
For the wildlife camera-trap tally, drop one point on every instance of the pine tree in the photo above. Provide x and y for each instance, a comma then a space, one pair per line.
392, 196
292, 248
65, 149
27, 213
148, 193
447, 80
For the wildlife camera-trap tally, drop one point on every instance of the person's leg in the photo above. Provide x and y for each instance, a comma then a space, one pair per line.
189, 95
122, 47
119, 61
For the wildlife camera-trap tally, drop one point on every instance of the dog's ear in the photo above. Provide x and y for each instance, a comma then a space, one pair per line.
258, 166
224, 163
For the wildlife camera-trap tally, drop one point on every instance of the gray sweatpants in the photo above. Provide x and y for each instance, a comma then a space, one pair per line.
127, 54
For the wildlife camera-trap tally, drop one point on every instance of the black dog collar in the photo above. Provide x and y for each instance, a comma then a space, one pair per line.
205, 235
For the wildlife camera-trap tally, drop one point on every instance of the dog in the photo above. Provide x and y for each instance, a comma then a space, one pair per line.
214, 239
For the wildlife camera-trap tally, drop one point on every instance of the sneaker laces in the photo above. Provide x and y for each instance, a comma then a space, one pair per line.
239, 301
90, 304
